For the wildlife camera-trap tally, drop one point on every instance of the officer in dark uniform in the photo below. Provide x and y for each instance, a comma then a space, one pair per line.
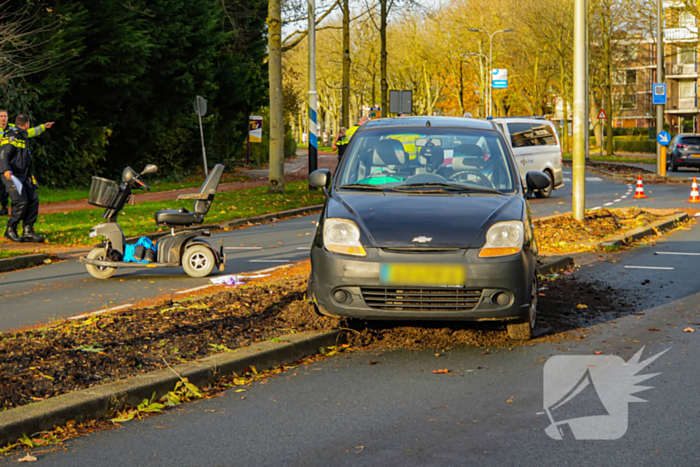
15, 161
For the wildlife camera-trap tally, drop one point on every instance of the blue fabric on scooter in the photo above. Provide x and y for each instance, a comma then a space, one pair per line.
129, 250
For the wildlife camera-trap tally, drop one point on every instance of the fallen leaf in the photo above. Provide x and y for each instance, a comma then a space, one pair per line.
597, 352
510, 400
652, 329
688, 330
442, 372
210, 410
27, 458
371, 362
581, 306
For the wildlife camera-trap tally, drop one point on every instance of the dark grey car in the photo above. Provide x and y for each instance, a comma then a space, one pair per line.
427, 220
683, 151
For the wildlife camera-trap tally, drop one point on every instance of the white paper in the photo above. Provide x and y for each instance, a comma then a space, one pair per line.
17, 183
221, 280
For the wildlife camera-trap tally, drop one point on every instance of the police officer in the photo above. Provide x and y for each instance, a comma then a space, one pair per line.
15, 161
341, 143
4, 126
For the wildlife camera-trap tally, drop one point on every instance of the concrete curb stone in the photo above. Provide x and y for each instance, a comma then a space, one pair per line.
21, 262
641, 232
552, 264
95, 402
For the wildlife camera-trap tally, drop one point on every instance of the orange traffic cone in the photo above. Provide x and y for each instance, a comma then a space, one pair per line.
639, 192
694, 195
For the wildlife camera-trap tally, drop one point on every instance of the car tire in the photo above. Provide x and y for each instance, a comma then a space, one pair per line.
674, 167
99, 272
198, 261
547, 192
525, 330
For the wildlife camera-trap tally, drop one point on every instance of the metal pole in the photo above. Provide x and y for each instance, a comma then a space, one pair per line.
201, 133
659, 76
247, 155
587, 117
579, 156
313, 116
491, 74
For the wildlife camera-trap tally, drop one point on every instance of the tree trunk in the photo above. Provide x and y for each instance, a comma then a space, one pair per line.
384, 56
564, 106
274, 27
346, 63
597, 128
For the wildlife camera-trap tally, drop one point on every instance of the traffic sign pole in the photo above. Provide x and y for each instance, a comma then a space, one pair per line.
659, 76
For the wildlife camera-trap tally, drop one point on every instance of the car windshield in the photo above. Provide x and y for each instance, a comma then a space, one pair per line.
427, 159
695, 141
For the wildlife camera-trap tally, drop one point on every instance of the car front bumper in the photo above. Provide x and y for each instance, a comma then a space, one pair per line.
369, 299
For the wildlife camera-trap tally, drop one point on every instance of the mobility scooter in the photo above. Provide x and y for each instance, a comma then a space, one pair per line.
181, 248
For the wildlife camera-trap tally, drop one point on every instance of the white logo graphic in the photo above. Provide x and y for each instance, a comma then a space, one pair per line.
586, 396
422, 239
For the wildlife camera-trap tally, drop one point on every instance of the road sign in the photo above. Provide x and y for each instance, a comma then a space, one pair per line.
659, 94
499, 78
663, 138
200, 106
602, 115
401, 102
255, 129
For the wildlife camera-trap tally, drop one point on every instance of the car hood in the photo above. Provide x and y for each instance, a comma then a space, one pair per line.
449, 221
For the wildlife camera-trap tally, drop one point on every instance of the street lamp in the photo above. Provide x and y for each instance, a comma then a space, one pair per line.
476, 54
490, 109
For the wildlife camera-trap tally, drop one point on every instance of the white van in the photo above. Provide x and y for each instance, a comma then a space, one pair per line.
535, 144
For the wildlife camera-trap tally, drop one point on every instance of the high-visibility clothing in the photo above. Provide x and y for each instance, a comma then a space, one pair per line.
14, 154
31, 133
348, 136
409, 143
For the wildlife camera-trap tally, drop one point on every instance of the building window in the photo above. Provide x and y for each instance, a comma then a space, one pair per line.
628, 102
686, 56
631, 77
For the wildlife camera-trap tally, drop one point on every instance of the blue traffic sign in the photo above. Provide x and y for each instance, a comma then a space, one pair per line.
663, 138
658, 94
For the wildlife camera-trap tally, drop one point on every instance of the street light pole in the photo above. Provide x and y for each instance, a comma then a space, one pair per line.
659, 75
490, 70
580, 90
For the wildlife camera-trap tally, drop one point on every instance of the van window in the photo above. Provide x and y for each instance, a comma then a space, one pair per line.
520, 134
544, 135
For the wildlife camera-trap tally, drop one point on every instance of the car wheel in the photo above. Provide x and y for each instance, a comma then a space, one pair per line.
198, 261
99, 272
546, 192
674, 167
525, 330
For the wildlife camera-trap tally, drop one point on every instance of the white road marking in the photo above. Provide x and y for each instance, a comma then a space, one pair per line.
617, 200
99, 312
596, 208
649, 267
607, 204
588, 179
624, 197
243, 248
304, 248
194, 289
673, 253
269, 260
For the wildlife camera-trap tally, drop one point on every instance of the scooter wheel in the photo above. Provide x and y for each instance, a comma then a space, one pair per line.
198, 261
99, 272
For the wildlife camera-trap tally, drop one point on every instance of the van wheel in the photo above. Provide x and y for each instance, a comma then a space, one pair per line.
546, 192
99, 272
198, 261
524, 330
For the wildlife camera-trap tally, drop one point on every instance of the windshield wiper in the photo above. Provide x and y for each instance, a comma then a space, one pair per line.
361, 186
447, 187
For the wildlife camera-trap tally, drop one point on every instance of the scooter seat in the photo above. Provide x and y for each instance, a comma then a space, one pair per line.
180, 217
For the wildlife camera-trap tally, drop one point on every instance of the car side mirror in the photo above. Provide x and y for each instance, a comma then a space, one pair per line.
536, 181
320, 178
149, 169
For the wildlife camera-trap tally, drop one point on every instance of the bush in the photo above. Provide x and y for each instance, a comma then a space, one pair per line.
638, 145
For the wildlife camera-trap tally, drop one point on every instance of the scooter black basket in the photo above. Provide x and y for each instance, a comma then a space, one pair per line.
102, 192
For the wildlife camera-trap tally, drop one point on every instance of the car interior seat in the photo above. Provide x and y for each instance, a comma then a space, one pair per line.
202, 202
389, 156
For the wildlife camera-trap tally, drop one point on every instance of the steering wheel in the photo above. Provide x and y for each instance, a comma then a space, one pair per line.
379, 172
464, 175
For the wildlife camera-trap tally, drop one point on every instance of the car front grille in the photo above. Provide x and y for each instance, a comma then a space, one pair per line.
421, 299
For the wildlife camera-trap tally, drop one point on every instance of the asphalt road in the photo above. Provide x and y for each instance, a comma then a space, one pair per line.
65, 289
342, 411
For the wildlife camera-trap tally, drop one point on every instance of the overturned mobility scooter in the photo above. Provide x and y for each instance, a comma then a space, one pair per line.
182, 248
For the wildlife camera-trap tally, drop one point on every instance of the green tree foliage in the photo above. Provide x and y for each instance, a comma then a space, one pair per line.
123, 95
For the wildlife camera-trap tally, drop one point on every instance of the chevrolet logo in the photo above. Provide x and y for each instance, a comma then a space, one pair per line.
422, 239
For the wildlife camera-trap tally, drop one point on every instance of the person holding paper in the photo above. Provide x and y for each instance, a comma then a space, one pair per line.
4, 127
15, 161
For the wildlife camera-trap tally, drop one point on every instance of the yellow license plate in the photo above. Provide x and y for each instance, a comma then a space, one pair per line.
436, 275
695, 155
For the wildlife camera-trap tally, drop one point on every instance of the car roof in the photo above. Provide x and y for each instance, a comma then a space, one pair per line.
522, 120
683, 135
435, 122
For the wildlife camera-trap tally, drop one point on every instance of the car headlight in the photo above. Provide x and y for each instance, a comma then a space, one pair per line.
342, 236
503, 239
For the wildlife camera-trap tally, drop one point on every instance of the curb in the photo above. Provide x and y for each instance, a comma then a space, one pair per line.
21, 262
552, 264
95, 402
642, 232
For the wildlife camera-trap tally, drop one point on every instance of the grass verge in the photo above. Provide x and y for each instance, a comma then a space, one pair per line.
635, 159
72, 228
49, 195
5, 254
